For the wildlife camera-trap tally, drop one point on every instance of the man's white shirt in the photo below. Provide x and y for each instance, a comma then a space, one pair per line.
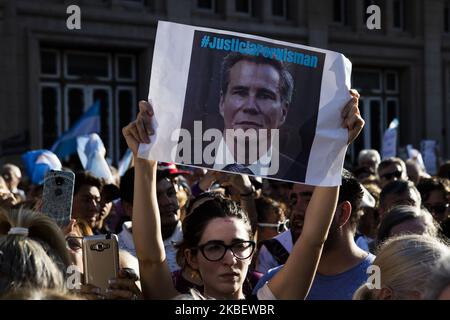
126, 243
266, 261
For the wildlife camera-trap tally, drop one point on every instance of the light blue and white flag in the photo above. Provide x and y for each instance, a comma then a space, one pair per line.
125, 162
38, 163
92, 156
88, 123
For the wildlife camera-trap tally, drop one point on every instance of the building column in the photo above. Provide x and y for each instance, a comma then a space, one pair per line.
318, 21
433, 101
13, 120
179, 10
266, 14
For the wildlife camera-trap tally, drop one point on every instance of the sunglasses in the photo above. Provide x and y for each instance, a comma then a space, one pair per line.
389, 176
438, 209
74, 243
281, 226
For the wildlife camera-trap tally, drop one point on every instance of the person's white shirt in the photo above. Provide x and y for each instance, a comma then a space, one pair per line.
224, 157
266, 261
126, 238
126, 243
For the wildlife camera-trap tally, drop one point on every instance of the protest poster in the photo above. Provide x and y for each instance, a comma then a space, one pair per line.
428, 148
241, 103
390, 141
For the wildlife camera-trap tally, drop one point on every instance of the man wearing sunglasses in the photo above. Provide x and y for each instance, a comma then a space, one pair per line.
391, 169
271, 218
436, 197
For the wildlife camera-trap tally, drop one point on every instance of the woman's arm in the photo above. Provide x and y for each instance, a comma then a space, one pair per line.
156, 279
294, 279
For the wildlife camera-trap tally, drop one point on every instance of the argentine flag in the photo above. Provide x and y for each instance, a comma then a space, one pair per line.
38, 163
88, 123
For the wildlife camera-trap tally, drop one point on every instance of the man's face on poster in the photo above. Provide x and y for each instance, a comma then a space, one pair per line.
252, 99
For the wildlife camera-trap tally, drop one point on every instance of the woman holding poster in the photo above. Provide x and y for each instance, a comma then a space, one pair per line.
218, 242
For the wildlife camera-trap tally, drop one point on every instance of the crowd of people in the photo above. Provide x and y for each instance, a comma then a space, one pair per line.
193, 233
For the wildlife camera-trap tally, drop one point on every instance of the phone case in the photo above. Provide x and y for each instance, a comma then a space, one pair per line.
57, 196
100, 259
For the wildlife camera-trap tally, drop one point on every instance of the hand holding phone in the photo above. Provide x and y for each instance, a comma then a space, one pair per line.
100, 260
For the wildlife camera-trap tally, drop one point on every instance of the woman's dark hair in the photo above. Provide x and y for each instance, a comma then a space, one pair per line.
426, 186
202, 210
265, 206
400, 214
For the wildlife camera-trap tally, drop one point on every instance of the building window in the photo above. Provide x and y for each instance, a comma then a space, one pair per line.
379, 105
125, 68
398, 14
243, 6
205, 5
50, 63
87, 65
50, 98
88, 76
391, 82
368, 80
340, 11
279, 8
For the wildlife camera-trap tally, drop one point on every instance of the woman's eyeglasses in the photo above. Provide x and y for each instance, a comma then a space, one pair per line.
74, 243
281, 226
215, 250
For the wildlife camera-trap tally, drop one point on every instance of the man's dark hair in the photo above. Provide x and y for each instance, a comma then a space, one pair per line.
397, 187
351, 191
83, 178
127, 183
391, 161
400, 214
426, 186
127, 186
265, 206
286, 81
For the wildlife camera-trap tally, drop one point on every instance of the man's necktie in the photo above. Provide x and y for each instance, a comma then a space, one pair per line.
235, 167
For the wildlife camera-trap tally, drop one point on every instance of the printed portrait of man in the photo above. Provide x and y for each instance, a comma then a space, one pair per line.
254, 104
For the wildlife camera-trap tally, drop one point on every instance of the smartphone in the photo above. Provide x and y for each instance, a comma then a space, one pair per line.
58, 195
100, 259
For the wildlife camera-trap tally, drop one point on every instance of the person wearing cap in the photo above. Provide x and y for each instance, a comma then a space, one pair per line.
12, 175
343, 265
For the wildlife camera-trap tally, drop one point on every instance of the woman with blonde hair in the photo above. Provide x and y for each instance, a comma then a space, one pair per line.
403, 267
33, 252
439, 285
